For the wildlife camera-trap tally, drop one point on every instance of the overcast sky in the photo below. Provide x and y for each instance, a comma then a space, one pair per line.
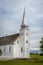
11, 13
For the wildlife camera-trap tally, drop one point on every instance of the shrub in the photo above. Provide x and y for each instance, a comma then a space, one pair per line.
41, 54
0, 52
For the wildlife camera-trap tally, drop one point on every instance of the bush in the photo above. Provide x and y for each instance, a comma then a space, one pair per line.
41, 54
0, 52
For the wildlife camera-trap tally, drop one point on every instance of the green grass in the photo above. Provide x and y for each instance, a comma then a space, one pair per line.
37, 56
23, 62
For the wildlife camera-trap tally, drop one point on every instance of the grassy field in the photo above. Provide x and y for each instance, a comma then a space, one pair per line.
37, 57
23, 62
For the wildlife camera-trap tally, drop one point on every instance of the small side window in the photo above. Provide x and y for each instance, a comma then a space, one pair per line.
18, 42
26, 41
27, 34
21, 49
4, 49
10, 49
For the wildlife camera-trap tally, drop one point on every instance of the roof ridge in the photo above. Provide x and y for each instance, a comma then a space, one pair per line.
9, 35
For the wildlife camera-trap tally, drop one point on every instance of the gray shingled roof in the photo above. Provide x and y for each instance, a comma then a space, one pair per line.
8, 39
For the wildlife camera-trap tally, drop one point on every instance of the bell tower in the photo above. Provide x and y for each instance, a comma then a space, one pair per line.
24, 38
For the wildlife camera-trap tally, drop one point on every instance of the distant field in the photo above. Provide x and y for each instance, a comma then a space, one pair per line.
23, 62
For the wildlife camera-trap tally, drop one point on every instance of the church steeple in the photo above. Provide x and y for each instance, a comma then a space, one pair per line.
24, 38
24, 22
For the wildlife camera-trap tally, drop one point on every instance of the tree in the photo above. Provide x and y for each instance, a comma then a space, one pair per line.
0, 52
41, 46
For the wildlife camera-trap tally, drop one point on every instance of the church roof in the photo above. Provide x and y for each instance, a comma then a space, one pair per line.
8, 39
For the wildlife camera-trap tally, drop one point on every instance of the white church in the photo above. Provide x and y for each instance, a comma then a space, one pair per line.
16, 45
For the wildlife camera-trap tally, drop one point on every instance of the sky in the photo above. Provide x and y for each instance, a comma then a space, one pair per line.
11, 14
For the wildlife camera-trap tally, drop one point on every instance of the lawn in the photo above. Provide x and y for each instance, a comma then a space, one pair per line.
23, 62
37, 56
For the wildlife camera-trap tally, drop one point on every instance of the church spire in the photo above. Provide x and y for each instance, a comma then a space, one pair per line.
24, 22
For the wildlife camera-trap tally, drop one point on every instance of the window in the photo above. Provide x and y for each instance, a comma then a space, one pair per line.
10, 49
27, 34
18, 41
26, 41
21, 49
21, 34
4, 49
